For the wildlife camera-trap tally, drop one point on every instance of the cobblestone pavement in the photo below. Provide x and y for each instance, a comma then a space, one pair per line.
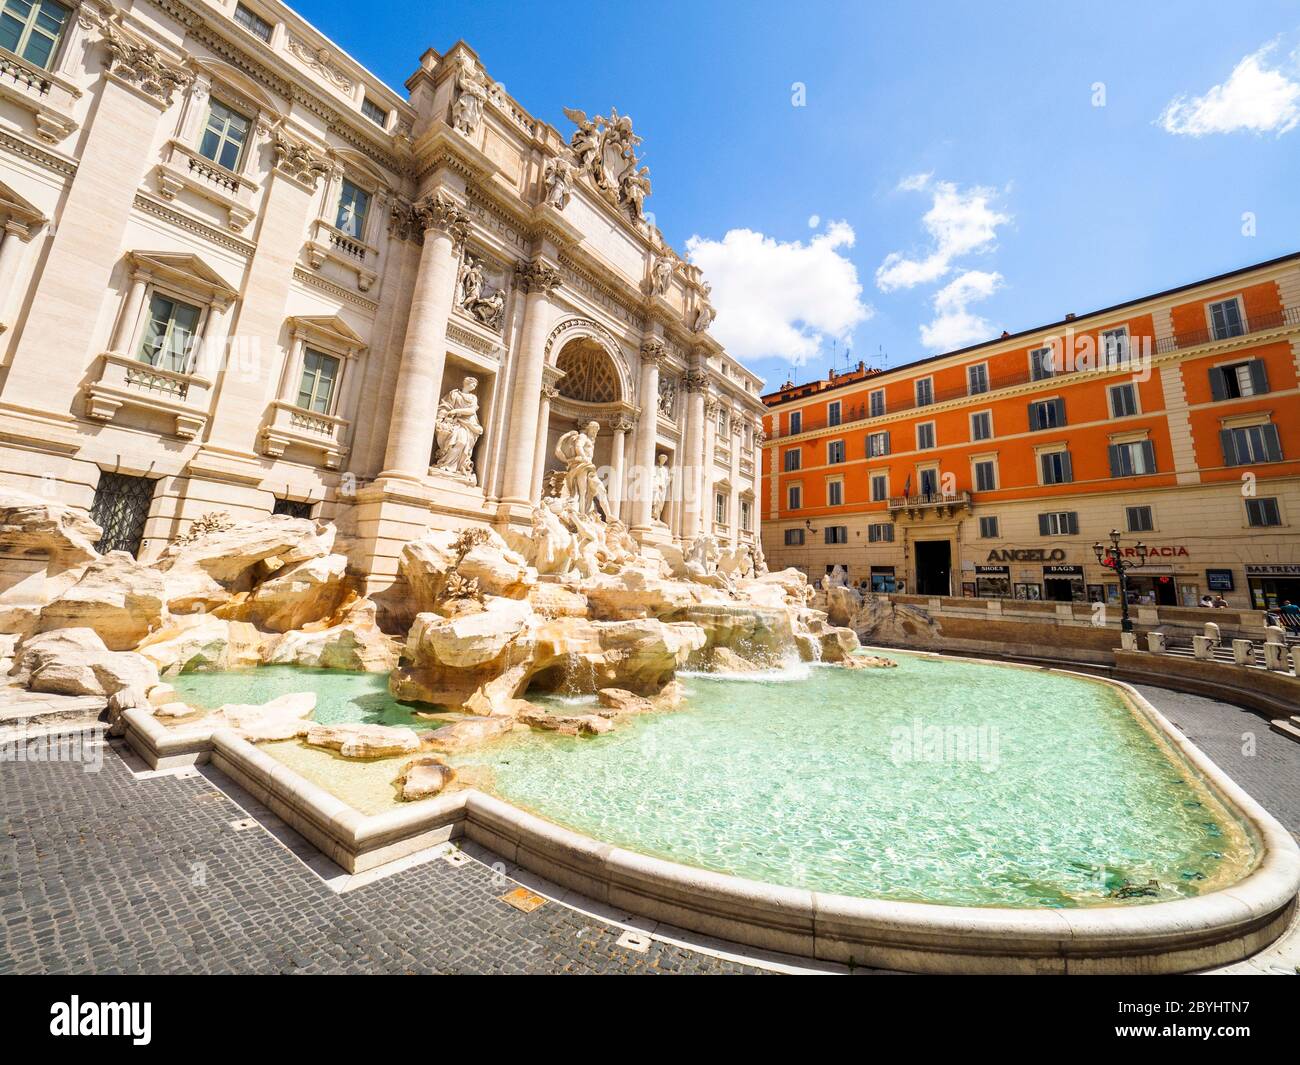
106, 873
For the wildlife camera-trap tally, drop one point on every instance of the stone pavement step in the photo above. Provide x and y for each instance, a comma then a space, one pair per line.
1286, 728
23, 710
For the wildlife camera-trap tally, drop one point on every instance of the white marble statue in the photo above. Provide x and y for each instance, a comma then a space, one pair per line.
704, 317
662, 479
558, 178
485, 304
577, 450
470, 286
661, 275
457, 430
471, 95
634, 187
838, 577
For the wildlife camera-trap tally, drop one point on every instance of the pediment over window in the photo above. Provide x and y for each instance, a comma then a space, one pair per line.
13, 208
242, 90
185, 270
329, 331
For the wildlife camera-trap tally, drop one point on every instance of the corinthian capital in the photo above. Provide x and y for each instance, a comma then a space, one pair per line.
297, 160
696, 380
538, 275
653, 349
441, 211
139, 65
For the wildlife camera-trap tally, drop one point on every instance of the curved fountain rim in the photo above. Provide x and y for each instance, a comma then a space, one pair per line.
1220, 926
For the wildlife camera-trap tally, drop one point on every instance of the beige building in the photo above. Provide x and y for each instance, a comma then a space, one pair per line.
240, 273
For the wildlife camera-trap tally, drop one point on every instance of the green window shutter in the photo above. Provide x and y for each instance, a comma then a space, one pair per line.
1272, 445
1229, 447
1218, 386
1067, 466
1042, 525
1115, 461
1258, 376
1072, 522
1059, 404
1149, 451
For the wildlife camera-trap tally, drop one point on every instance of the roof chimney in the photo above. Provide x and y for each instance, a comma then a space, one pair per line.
1070, 317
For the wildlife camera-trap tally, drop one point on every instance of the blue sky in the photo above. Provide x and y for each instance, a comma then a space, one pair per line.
1043, 203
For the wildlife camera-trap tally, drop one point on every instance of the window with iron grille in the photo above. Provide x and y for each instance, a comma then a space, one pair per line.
1260, 512
1139, 519
295, 508
120, 508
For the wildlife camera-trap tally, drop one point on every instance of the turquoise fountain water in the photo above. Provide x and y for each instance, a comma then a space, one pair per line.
939, 781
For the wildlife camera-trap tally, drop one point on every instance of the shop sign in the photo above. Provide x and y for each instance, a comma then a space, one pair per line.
1027, 554
1062, 571
1273, 570
997, 571
1218, 580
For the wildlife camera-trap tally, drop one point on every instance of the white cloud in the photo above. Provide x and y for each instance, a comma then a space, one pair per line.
1257, 96
777, 298
960, 222
954, 324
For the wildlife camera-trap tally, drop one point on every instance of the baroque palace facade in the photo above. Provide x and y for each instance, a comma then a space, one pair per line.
240, 274
992, 471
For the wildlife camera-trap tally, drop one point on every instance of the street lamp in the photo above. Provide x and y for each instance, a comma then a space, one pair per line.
1114, 557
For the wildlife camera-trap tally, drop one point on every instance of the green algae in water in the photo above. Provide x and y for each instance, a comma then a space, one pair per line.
813, 783
341, 696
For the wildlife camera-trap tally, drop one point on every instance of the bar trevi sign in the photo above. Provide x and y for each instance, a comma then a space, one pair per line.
1273, 569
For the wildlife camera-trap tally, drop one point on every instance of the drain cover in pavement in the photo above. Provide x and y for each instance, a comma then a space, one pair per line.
524, 900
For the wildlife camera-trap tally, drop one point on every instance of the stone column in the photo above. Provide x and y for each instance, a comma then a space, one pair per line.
549, 393
424, 352
692, 463
653, 353
212, 350
620, 427
130, 313
711, 407
737, 439
13, 239
540, 280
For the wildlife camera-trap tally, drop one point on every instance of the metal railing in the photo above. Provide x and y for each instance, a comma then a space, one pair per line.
930, 499
1161, 345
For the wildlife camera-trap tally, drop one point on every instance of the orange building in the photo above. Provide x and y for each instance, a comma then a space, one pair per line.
992, 471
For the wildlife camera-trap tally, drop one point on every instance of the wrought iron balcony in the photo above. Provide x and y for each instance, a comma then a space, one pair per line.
944, 504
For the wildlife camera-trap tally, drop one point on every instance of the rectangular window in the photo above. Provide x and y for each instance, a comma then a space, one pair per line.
1123, 400
834, 452
722, 422
1041, 364
929, 481
837, 534
1262, 512
977, 379
877, 402
224, 136
981, 425
796, 422
319, 374
1133, 459
879, 488
169, 336
834, 493
719, 508
374, 112
986, 476
254, 23
746, 516
1139, 519
1046, 414
32, 29
794, 538
121, 508
1255, 443
877, 445
989, 528
833, 413
1059, 523
794, 497
1057, 467
880, 533
925, 436
354, 202
1238, 380
295, 508
793, 459
924, 392
1114, 346
1226, 320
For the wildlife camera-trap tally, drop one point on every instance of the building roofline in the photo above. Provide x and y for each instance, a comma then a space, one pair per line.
1063, 322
